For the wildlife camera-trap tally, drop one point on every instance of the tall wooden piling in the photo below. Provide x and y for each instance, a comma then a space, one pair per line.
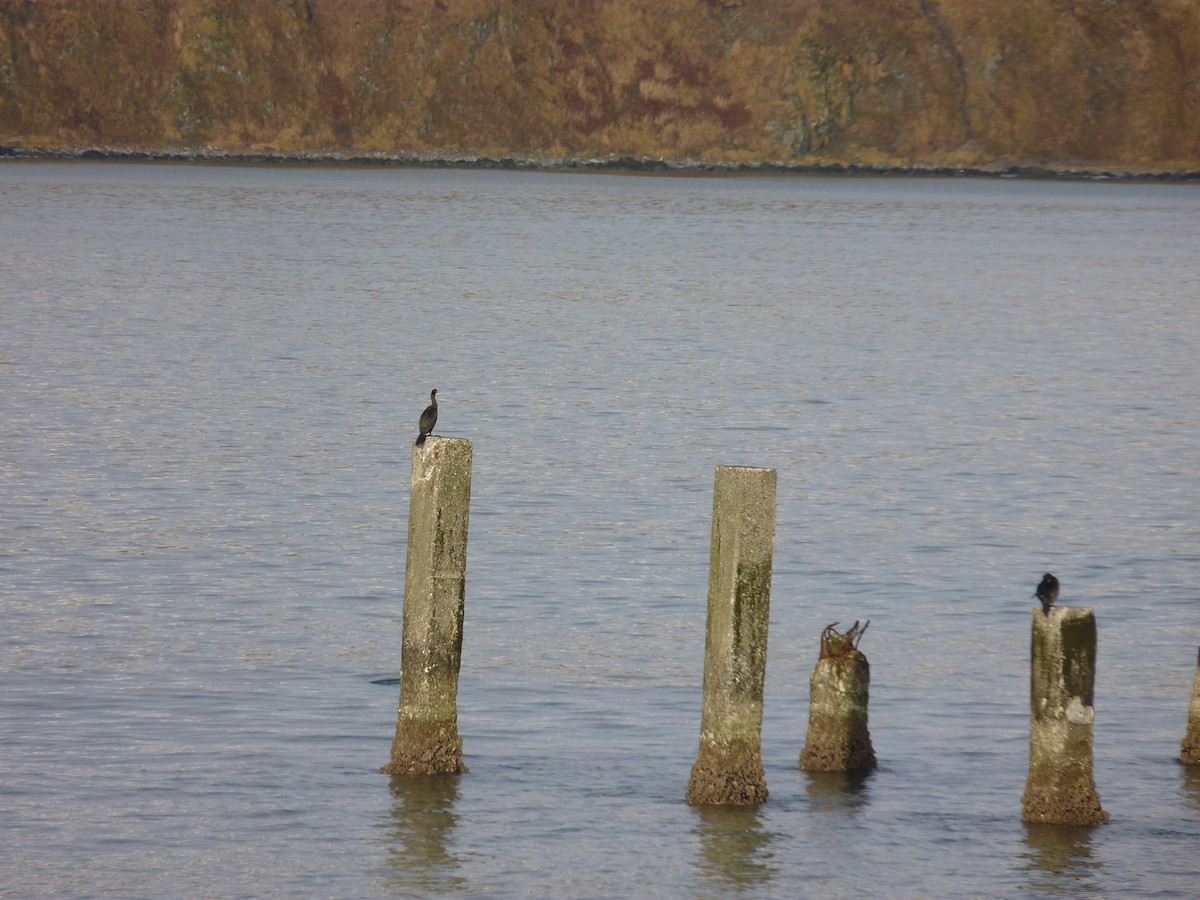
1060, 789
427, 740
1189, 749
728, 768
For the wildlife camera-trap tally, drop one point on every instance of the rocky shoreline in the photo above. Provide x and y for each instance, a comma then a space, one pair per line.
659, 165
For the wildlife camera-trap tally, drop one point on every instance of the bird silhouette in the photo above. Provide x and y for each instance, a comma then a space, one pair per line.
428, 418
1047, 592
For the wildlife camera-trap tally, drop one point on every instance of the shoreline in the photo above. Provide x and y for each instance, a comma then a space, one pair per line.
614, 164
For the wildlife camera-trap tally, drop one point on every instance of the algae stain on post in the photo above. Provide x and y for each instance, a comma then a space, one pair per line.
427, 740
728, 768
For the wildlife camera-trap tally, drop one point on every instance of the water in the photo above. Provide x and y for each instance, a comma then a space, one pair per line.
211, 381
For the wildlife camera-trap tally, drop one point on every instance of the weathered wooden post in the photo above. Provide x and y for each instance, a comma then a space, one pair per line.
1189, 749
728, 768
838, 738
427, 740
1060, 789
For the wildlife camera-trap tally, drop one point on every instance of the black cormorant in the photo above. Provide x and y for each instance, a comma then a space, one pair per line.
428, 418
1047, 592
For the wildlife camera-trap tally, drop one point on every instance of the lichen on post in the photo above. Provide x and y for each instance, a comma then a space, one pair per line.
1189, 748
838, 737
728, 768
427, 740
1060, 789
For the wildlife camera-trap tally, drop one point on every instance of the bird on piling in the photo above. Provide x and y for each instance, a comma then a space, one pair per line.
428, 418
1047, 592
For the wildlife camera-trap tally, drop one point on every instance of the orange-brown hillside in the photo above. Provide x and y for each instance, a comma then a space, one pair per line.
1063, 83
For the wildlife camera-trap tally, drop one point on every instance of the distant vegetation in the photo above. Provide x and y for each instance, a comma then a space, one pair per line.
978, 83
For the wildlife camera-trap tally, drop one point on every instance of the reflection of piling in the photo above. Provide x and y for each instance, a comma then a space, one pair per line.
422, 823
838, 739
427, 740
735, 847
1060, 789
728, 768
1189, 750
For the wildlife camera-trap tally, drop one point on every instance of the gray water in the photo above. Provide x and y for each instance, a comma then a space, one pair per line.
210, 384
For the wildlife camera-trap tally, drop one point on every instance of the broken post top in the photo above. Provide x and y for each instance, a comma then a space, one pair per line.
835, 645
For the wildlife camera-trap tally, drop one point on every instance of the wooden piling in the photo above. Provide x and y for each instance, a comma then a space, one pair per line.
1189, 748
427, 740
1060, 789
838, 738
728, 768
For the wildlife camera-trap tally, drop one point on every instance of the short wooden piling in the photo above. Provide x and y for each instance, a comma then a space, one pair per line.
427, 740
1060, 789
1189, 749
728, 768
838, 737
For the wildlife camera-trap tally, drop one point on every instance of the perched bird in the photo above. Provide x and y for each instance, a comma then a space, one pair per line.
428, 418
1047, 592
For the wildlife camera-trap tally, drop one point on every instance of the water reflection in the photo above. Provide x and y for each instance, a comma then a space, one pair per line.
838, 791
734, 846
421, 824
1059, 858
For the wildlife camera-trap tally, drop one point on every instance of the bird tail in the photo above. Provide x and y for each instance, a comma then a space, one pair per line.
421, 439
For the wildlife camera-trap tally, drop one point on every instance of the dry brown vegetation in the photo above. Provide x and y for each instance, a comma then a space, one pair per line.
882, 82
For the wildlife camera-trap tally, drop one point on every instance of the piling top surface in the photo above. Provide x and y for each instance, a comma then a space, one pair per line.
1069, 612
442, 464
438, 445
1064, 616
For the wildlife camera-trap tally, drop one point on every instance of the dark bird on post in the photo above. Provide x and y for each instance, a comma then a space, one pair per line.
428, 418
1047, 592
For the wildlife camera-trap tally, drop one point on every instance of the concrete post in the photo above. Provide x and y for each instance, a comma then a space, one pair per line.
427, 740
1060, 789
838, 738
728, 768
1189, 749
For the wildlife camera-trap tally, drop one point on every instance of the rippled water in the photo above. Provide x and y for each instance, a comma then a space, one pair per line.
211, 380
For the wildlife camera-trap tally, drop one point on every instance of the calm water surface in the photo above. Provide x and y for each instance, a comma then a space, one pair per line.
210, 384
